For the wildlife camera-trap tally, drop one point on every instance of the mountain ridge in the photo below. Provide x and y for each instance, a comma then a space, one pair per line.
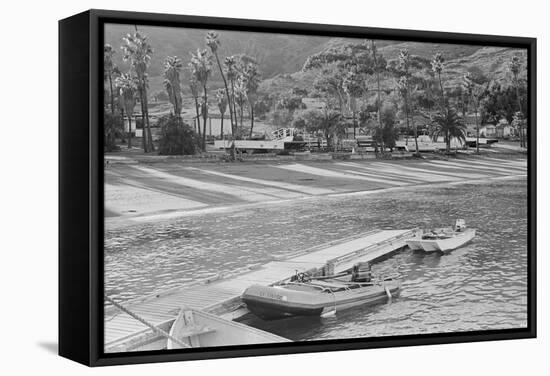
282, 56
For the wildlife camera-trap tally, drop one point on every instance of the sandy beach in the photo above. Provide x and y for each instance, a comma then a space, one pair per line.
147, 192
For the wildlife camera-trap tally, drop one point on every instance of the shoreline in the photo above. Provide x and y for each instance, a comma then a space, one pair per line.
113, 223
218, 158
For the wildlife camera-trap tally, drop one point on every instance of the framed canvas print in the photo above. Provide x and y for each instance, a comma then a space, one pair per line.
237, 187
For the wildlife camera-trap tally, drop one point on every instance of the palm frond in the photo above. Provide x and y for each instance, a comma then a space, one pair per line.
448, 124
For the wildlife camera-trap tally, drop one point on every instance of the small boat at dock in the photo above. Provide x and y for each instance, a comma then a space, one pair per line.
442, 239
194, 328
316, 296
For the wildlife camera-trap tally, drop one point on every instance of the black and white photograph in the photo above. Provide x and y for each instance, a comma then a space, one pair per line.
265, 188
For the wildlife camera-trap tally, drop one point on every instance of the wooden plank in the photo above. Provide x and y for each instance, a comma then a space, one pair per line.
153, 307
160, 307
125, 324
155, 310
184, 300
121, 325
109, 309
150, 311
187, 300
161, 304
121, 319
117, 332
124, 328
154, 316
116, 328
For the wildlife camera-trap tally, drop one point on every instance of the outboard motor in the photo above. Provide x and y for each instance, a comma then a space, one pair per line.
361, 272
460, 225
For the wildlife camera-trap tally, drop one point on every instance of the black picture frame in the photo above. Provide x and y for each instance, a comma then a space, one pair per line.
81, 186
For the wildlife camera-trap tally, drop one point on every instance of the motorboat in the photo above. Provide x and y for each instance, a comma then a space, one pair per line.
442, 239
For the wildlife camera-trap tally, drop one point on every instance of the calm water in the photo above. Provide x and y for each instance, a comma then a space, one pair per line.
480, 286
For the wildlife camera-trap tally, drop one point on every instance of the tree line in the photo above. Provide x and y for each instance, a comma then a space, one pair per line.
239, 73
352, 73
350, 82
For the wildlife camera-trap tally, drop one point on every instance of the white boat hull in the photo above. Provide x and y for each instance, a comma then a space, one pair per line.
413, 244
200, 329
442, 245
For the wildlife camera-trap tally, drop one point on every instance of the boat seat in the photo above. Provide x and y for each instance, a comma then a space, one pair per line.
195, 330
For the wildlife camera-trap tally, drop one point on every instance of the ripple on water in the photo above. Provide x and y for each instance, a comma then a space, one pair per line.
480, 286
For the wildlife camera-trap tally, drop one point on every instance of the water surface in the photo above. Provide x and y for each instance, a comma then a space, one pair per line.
480, 286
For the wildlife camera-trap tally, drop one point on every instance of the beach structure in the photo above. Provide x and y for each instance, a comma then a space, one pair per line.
280, 139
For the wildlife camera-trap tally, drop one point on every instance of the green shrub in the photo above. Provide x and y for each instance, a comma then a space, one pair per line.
177, 137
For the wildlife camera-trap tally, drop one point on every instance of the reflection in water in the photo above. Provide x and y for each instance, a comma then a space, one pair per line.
480, 286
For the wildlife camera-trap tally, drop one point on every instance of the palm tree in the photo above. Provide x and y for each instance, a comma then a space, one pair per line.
353, 87
437, 67
221, 99
194, 87
201, 68
251, 78
405, 79
428, 89
109, 69
412, 107
213, 42
137, 51
377, 71
448, 124
127, 88
515, 68
475, 92
172, 83
240, 97
403, 85
230, 64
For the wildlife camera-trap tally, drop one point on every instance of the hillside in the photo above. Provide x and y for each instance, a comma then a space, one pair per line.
493, 62
281, 56
275, 53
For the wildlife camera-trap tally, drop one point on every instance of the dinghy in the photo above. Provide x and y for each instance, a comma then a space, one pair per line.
442, 239
194, 328
315, 297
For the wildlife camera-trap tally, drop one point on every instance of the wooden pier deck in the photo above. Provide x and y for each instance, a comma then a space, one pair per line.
221, 296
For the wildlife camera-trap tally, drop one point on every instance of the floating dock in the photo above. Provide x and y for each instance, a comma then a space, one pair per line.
221, 295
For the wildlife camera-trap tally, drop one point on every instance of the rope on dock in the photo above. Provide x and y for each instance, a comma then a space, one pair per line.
146, 323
